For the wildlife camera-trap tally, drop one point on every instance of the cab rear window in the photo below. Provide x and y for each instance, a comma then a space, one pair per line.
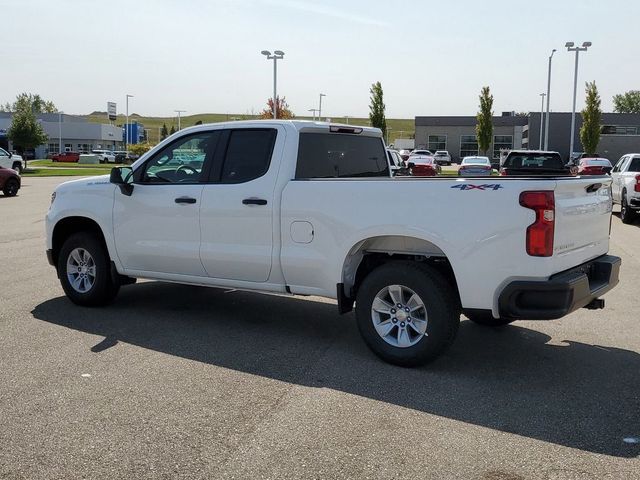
332, 155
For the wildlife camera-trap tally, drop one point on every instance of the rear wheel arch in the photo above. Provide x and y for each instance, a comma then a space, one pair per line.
370, 253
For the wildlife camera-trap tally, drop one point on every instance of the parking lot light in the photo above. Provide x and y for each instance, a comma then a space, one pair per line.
277, 55
571, 48
546, 126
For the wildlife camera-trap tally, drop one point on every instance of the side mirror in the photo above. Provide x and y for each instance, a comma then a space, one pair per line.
123, 177
10, 154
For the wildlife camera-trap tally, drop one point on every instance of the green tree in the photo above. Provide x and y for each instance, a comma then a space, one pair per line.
283, 111
173, 130
377, 107
33, 102
628, 102
164, 133
139, 149
590, 130
25, 132
484, 120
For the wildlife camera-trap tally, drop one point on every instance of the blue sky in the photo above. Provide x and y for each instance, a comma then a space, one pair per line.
204, 55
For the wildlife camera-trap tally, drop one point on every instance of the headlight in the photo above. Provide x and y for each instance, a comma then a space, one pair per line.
53, 197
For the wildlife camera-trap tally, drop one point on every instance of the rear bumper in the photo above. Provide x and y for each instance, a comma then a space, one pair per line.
634, 202
562, 293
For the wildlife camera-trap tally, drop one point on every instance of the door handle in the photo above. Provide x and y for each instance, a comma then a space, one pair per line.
185, 200
254, 201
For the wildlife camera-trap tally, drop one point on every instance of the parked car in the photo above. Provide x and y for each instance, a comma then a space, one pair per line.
594, 166
423, 166
405, 154
9, 181
421, 151
247, 219
11, 160
65, 157
625, 187
475, 166
105, 156
577, 156
442, 157
397, 165
535, 162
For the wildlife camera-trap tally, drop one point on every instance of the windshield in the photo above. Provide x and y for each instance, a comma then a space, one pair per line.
421, 159
441, 154
596, 162
547, 161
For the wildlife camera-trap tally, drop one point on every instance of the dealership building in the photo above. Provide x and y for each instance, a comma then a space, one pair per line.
68, 131
620, 134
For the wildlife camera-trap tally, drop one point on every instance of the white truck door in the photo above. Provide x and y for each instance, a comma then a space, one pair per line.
615, 177
237, 211
157, 228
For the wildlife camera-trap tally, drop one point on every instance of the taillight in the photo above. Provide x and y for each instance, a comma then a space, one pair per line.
636, 187
540, 233
503, 171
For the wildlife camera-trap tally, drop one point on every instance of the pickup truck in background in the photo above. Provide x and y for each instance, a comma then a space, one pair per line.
626, 186
11, 160
535, 162
310, 208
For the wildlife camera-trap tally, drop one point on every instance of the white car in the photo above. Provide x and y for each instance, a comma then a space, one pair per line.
105, 156
442, 157
11, 160
625, 188
475, 166
309, 208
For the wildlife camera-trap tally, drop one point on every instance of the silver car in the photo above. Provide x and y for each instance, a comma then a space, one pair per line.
475, 166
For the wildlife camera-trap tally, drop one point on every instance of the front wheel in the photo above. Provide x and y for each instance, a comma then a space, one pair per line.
406, 313
18, 167
11, 188
83, 268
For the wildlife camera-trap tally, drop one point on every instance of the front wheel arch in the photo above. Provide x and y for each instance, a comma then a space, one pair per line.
71, 225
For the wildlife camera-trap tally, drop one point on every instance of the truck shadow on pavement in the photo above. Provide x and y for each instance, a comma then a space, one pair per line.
508, 379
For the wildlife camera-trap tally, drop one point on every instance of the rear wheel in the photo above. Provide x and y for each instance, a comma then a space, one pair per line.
487, 319
83, 268
626, 214
406, 313
11, 188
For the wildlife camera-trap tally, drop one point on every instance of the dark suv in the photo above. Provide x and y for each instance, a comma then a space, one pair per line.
534, 162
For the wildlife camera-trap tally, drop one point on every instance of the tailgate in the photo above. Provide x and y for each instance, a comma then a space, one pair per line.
583, 219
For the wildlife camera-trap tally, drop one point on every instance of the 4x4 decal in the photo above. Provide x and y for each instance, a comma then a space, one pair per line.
488, 186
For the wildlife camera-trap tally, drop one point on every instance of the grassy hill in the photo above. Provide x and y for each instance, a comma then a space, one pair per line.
398, 128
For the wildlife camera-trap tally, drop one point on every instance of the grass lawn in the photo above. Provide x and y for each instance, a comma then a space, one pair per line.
70, 165
63, 172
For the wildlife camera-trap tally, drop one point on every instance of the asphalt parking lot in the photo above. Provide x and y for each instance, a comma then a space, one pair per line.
173, 381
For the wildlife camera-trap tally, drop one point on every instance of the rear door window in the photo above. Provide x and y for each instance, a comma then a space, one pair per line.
248, 155
334, 155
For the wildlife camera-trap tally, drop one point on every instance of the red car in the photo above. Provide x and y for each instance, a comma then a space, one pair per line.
9, 182
65, 157
594, 166
423, 166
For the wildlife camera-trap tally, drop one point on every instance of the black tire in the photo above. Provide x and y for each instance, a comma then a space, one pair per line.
11, 188
487, 319
104, 288
17, 167
443, 312
626, 214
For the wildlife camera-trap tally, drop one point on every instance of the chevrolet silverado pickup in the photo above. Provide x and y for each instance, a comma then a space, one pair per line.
626, 186
310, 208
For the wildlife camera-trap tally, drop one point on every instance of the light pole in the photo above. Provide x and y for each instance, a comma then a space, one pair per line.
541, 119
313, 112
179, 112
320, 107
546, 125
60, 132
571, 48
277, 55
126, 127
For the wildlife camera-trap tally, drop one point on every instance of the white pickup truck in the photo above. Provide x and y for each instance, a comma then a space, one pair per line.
310, 208
626, 186
11, 160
